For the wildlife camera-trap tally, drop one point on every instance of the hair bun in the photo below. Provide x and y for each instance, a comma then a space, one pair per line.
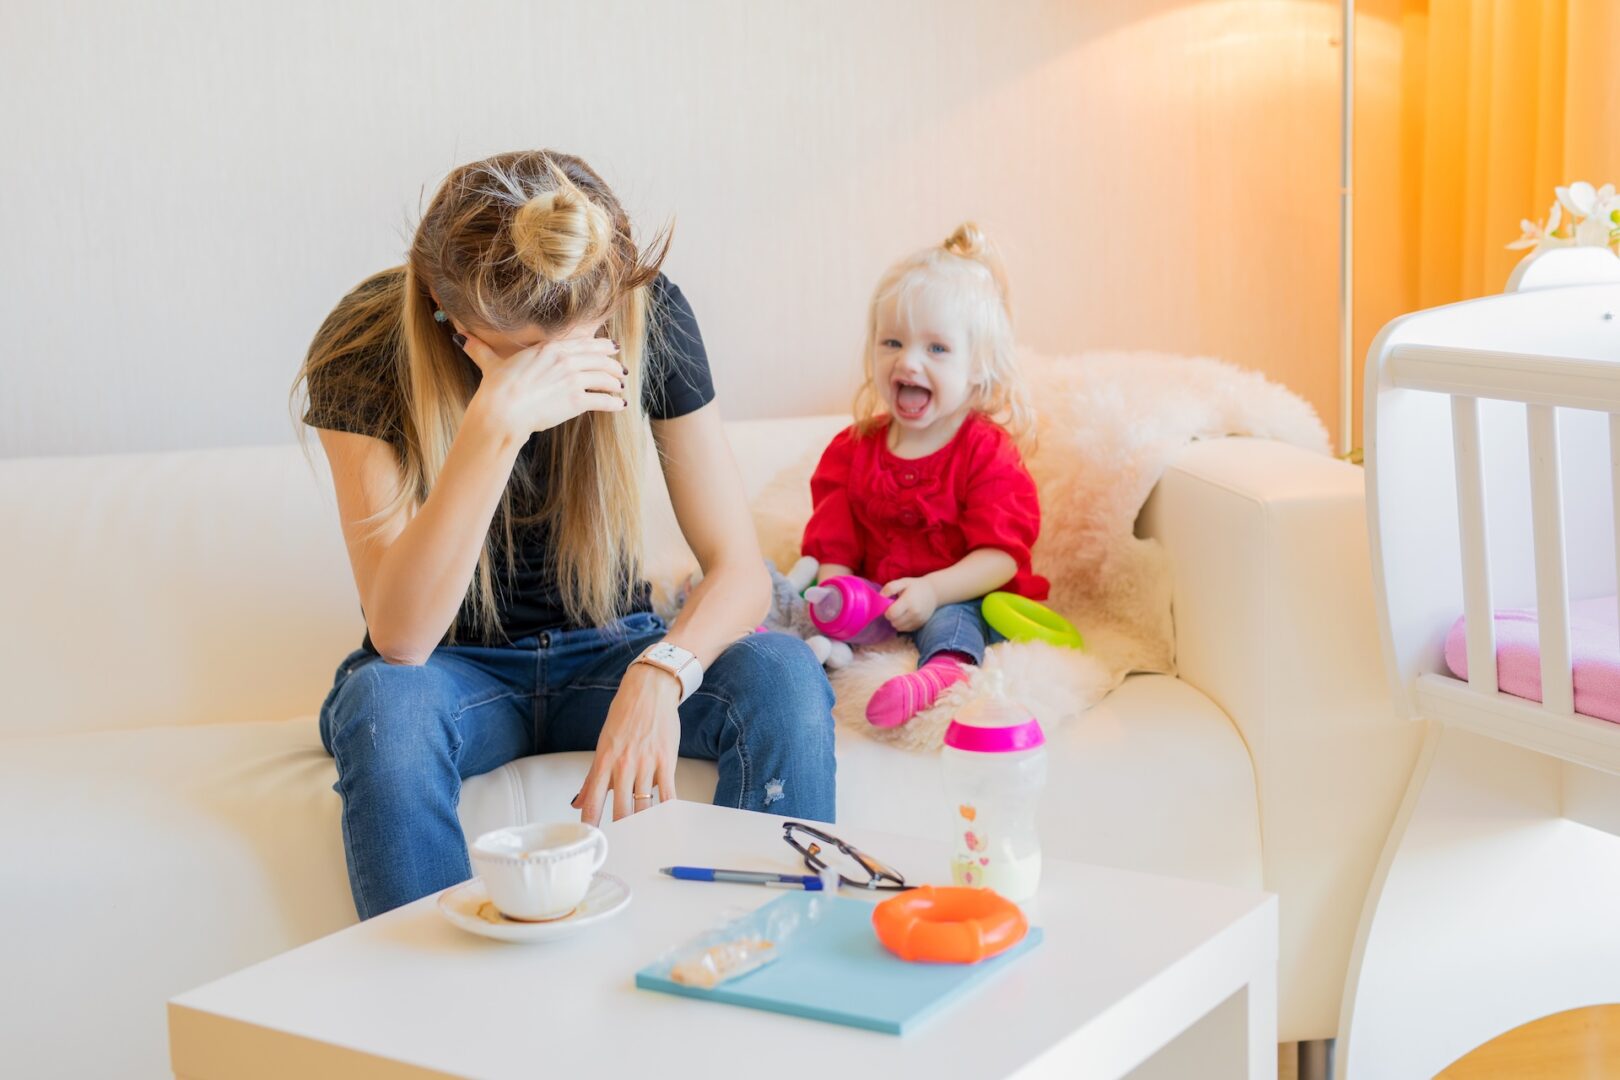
967, 241
561, 233
970, 242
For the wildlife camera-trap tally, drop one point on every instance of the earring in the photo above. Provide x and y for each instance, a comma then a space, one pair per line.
440, 317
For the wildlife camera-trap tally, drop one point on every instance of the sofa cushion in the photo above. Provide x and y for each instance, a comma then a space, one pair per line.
212, 586
149, 862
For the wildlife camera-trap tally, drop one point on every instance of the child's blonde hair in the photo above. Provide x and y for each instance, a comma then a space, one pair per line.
968, 266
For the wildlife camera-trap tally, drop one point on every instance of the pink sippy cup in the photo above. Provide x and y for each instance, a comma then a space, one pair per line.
849, 608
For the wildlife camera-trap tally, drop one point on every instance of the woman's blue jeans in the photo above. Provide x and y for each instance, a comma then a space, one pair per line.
405, 737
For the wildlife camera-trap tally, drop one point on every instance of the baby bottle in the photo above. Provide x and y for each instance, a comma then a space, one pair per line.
995, 768
849, 608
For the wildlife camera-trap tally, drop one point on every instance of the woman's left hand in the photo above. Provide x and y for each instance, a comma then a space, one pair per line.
638, 747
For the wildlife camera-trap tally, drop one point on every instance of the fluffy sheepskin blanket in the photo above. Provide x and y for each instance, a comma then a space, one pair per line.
1109, 424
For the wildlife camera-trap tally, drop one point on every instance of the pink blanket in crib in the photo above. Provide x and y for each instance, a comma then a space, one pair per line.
1594, 633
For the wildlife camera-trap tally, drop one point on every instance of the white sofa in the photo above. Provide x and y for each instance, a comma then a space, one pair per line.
173, 621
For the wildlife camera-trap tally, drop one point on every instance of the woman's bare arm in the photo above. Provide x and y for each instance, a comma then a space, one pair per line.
641, 738
413, 578
706, 491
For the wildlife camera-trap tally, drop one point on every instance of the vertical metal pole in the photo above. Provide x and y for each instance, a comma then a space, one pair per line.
1347, 360
1316, 1059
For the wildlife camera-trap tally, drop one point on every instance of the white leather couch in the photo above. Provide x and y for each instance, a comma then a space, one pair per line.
172, 622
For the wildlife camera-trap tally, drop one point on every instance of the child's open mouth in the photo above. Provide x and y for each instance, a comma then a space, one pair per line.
910, 400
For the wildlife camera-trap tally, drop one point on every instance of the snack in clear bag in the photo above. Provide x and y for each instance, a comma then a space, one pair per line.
722, 961
738, 946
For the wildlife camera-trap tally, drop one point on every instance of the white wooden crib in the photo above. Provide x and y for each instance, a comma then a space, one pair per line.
1493, 466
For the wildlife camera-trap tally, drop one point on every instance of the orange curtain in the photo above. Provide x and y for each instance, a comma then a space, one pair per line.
1506, 99
1592, 103
1486, 126
1468, 114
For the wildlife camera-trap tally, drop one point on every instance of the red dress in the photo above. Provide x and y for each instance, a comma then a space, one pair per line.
889, 517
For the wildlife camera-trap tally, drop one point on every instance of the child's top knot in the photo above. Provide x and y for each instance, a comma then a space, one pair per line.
970, 242
967, 241
561, 233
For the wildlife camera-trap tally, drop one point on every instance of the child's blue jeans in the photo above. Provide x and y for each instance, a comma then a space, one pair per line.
958, 628
405, 737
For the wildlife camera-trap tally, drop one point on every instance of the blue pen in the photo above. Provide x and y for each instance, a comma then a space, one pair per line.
744, 877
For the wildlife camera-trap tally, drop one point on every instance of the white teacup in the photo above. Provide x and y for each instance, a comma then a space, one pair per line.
538, 872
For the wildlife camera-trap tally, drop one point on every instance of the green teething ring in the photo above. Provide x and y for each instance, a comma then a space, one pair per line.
1018, 618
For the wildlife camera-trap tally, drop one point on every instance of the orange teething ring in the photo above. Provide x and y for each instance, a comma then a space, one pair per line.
948, 925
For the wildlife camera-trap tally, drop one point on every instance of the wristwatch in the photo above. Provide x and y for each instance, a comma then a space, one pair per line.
675, 660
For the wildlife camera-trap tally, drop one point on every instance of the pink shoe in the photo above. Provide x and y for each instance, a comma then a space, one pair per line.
904, 696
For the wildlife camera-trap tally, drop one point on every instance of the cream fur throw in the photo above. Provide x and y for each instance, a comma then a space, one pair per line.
1109, 424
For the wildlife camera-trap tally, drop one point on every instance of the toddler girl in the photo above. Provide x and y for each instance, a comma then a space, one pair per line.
926, 493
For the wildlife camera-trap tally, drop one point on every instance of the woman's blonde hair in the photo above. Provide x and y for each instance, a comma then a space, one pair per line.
969, 269
533, 238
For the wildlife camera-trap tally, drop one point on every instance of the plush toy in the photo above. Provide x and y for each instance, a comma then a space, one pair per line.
790, 614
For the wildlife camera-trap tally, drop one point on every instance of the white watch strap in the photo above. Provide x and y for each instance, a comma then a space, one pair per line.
678, 662
691, 674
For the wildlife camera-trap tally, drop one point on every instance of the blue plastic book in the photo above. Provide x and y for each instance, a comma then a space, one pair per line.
833, 968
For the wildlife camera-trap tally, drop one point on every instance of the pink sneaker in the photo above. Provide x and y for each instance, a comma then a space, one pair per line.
904, 696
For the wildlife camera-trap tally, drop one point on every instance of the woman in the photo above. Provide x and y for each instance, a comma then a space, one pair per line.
482, 408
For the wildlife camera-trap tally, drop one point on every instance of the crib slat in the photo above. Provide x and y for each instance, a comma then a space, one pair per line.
1477, 610
1552, 588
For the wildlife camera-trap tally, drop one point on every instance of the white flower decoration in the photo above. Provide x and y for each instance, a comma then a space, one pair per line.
1541, 237
1581, 198
1594, 220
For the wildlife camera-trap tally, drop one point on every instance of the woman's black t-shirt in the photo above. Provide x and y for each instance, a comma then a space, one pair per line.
358, 392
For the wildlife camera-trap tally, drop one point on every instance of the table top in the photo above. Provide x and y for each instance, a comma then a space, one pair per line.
412, 990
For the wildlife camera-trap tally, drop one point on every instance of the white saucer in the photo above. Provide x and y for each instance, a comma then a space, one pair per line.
606, 897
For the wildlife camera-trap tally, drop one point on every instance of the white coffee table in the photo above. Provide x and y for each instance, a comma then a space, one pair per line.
1133, 967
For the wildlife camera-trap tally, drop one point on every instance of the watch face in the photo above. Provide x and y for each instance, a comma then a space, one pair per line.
665, 654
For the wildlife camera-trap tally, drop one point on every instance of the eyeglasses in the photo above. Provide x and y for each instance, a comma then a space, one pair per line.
855, 868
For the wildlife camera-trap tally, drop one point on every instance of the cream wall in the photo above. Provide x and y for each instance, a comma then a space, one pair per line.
187, 187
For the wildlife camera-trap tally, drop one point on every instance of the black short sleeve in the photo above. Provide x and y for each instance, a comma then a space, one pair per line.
357, 388
681, 382
353, 394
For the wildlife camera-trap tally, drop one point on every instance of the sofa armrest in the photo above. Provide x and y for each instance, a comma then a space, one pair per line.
1275, 622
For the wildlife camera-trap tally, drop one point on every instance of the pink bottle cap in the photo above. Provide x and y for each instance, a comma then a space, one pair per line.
995, 724
995, 740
